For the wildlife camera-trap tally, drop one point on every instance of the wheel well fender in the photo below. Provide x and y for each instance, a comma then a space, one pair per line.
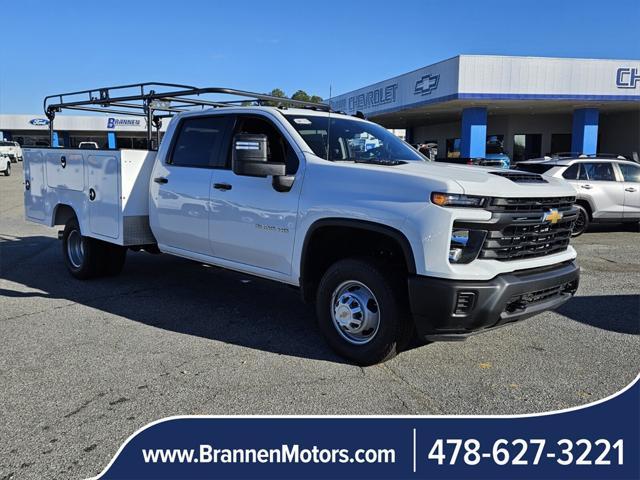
331, 239
586, 205
62, 214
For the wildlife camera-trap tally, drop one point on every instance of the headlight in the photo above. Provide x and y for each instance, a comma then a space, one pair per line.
457, 200
465, 244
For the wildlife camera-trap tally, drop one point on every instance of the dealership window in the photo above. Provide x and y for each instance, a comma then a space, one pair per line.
495, 144
74, 140
526, 146
453, 148
560, 142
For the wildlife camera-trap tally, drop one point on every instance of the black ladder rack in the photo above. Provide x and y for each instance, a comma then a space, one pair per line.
145, 99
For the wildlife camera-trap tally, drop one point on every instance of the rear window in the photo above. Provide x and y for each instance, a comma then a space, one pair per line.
199, 141
534, 167
630, 172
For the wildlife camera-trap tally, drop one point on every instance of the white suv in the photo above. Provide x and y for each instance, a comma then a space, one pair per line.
5, 164
12, 150
607, 189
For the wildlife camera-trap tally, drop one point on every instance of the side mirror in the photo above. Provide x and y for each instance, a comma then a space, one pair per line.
249, 157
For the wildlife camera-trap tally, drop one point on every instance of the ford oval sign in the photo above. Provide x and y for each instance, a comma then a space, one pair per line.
39, 122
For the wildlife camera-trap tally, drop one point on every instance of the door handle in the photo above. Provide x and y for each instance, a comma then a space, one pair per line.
586, 187
161, 180
630, 189
222, 186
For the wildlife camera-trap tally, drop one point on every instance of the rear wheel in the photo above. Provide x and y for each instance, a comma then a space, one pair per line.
82, 255
582, 222
360, 312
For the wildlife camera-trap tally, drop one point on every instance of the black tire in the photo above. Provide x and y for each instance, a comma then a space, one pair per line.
88, 264
13, 160
7, 172
582, 222
394, 329
112, 259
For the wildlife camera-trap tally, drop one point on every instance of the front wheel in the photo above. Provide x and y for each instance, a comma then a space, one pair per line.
582, 222
360, 313
7, 172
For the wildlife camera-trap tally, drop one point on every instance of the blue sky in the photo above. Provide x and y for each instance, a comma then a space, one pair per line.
49, 47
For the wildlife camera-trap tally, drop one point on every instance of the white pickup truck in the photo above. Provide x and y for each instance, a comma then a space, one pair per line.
386, 244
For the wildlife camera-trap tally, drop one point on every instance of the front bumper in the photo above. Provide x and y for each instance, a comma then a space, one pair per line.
454, 309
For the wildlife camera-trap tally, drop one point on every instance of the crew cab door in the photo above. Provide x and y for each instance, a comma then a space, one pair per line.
252, 224
631, 182
597, 182
182, 184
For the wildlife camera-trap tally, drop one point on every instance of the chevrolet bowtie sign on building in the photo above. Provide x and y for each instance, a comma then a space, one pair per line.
523, 107
427, 84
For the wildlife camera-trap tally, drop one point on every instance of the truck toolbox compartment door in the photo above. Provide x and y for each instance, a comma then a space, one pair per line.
65, 170
35, 188
103, 190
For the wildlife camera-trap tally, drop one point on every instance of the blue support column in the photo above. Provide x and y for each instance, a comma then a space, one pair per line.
408, 136
111, 139
55, 139
473, 136
584, 138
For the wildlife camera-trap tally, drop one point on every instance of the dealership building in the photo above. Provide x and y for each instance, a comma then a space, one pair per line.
70, 130
527, 106
530, 106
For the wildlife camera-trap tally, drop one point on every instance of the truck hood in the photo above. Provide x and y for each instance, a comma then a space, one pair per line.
475, 180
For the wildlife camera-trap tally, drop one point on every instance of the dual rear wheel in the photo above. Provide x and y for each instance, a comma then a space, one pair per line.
87, 257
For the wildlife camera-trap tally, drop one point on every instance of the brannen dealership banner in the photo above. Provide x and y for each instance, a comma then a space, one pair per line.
600, 441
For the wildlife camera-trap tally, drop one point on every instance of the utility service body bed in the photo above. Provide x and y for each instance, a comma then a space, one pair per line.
108, 190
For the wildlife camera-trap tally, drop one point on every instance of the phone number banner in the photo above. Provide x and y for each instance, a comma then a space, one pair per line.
595, 442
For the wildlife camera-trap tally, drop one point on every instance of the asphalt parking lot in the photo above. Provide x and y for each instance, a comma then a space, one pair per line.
85, 364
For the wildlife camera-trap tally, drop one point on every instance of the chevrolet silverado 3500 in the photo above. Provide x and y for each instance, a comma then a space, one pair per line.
387, 245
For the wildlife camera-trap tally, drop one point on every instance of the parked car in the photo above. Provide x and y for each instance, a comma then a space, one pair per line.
12, 150
607, 189
5, 164
88, 145
387, 245
495, 151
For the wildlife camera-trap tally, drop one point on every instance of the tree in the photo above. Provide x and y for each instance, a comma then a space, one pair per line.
301, 95
276, 92
298, 95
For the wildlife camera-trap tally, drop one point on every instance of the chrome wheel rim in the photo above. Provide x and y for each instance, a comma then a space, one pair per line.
355, 312
75, 248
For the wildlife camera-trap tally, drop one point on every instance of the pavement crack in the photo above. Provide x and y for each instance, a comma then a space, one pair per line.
421, 394
84, 405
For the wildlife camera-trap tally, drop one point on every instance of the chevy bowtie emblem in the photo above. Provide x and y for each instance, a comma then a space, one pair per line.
552, 216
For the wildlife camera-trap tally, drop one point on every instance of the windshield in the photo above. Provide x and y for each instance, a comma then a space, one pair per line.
351, 140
